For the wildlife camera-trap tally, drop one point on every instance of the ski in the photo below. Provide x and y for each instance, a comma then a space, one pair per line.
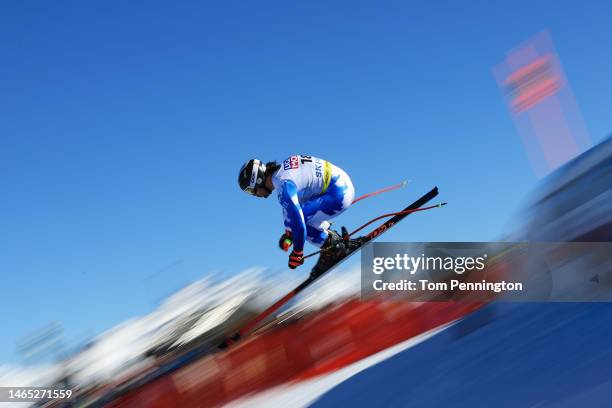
314, 276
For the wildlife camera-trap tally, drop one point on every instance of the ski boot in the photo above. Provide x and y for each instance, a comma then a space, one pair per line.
352, 244
332, 252
335, 249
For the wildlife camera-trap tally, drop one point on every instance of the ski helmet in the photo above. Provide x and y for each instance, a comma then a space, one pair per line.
252, 175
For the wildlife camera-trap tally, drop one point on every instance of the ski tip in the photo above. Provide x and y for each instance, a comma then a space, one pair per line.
404, 183
442, 204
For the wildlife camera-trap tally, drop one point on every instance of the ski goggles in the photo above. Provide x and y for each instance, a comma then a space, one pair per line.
255, 179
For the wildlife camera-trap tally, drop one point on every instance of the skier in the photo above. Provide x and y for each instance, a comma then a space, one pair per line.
311, 192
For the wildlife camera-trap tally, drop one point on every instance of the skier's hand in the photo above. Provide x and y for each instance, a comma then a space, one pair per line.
285, 241
296, 259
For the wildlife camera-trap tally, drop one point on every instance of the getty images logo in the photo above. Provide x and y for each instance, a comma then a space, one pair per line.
412, 264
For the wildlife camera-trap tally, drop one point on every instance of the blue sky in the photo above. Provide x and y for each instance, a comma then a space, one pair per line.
123, 127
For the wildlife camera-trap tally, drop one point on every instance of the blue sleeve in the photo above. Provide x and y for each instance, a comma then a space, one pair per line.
292, 212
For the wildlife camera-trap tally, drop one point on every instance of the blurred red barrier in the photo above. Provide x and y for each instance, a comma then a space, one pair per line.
314, 345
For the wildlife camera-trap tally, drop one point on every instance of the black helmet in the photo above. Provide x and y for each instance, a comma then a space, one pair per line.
252, 175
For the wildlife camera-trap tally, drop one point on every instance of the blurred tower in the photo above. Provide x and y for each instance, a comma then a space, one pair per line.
542, 104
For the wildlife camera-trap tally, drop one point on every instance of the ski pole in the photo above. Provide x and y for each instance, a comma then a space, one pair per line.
381, 217
382, 190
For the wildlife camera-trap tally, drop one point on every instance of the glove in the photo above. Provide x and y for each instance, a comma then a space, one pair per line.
296, 259
285, 241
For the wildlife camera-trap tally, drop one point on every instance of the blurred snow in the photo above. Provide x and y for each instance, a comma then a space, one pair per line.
184, 316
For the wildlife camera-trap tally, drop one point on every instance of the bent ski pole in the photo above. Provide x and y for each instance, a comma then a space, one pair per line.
405, 212
382, 190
